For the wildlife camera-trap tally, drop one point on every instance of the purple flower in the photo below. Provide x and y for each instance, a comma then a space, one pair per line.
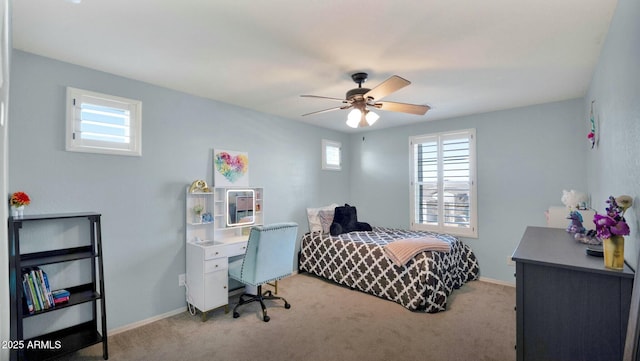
613, 223
603, 221
603, 224
620, 229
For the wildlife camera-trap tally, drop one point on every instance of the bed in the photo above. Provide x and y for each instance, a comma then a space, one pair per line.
358, 260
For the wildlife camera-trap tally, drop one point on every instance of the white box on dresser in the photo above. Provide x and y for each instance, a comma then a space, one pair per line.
557, 217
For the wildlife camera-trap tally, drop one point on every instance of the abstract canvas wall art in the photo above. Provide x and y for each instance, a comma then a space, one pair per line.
230, 168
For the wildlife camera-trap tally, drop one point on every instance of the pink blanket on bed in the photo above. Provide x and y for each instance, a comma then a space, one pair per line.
402, 250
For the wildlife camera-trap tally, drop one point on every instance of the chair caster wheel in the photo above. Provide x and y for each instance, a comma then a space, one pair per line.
236, 315
266, 318
287, 306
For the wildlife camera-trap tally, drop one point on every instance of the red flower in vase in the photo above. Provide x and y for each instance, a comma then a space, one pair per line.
19, 199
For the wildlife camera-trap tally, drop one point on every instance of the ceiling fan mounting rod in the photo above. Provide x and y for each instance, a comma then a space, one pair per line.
359, 78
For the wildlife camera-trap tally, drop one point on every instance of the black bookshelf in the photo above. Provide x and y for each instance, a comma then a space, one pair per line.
73, 338
70, 339
56, 256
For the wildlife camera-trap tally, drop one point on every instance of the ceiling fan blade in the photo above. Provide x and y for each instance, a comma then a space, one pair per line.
328, 110
387, 87
402, 107
321, 97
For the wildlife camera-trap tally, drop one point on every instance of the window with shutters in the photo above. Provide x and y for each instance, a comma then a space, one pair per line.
101, 123
443, 183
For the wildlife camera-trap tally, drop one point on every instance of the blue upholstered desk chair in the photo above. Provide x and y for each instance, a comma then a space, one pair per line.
269, 257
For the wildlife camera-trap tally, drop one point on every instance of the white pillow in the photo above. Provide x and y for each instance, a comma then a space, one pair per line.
314, 217
326, 219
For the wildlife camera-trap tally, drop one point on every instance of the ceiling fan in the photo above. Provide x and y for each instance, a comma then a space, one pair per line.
362, 98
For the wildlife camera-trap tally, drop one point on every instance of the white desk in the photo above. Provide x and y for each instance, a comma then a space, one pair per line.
207, 262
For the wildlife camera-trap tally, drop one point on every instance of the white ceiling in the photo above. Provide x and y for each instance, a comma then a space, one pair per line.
462, 56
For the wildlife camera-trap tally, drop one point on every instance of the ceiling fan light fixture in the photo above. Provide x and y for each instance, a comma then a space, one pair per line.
354, 118
358, 99
371, 117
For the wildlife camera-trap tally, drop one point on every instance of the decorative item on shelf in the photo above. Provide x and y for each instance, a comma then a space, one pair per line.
592, 134
612, 228
576, 223
17, 201
589, 238
574, 199
199, 186
207, 217
197, 213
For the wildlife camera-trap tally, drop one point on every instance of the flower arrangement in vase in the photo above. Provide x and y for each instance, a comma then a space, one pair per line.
17, 201
197, 211
612, 228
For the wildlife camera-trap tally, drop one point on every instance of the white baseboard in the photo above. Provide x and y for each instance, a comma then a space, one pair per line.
149, 320
498, 282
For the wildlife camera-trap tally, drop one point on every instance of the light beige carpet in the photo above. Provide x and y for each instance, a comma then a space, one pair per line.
331, 322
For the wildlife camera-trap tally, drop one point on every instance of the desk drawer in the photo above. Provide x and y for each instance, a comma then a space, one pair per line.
214, 252
236, 249
216, 264
225, 250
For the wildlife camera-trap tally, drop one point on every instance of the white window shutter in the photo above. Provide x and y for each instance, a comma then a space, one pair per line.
443, 190
100, 123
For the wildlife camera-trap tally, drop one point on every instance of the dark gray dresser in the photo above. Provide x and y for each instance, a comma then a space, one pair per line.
568, 305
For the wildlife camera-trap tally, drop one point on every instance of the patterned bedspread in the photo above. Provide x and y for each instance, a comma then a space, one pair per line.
357, 260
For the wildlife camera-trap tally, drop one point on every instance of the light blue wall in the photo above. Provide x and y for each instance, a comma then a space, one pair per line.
526, 157
614, 166
142, 198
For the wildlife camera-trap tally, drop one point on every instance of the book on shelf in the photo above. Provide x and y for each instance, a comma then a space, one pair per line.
60, 296
37, 284
45, 280
27, 294
32, 290
38, 288
37, 291
60, 300
43, 288
60, 293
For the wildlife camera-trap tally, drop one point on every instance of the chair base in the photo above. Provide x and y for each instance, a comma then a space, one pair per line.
259, 297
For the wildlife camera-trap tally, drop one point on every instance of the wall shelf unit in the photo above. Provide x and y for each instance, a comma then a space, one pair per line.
74, 337
199, 226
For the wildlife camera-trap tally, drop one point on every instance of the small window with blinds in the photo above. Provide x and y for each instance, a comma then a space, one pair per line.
101, 123
443, 183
